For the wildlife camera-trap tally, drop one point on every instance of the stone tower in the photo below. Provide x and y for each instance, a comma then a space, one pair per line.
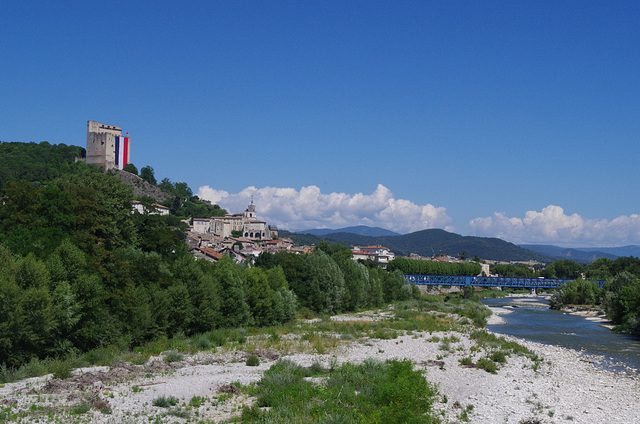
106, 147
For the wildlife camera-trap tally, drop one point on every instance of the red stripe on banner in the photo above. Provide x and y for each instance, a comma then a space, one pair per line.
126, 151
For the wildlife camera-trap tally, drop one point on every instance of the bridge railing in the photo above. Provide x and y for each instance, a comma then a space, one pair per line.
460, 280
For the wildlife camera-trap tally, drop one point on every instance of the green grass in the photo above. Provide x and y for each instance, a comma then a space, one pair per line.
60, 368
80, 409
382, 392
490, 341
165, 402
197, 401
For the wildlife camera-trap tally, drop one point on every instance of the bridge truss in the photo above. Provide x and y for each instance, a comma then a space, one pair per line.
460, 280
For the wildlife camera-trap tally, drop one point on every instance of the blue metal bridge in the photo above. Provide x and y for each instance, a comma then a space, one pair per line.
459, 280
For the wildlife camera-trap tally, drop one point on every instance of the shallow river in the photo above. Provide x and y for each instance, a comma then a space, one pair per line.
540, 324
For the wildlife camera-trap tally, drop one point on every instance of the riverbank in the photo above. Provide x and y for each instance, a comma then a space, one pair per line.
566, 386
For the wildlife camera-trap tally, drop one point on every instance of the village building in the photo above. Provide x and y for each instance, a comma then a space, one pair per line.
245, 224
157, 209
377, 253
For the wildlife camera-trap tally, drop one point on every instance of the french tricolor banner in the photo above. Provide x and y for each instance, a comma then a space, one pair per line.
122, 151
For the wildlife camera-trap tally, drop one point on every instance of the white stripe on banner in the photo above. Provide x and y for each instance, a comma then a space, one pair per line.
120, 152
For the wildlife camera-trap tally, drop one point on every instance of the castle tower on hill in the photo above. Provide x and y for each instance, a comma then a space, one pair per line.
106, 147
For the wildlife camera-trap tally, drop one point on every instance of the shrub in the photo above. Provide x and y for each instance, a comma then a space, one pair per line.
61, 369
488, 365
499, 356
465, 361
253, 361
316, 368
173, 356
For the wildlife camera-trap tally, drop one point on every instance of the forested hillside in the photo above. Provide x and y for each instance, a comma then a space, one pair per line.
36, 162
79, 270
432, 241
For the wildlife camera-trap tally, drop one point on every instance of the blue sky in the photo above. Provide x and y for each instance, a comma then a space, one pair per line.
514, 119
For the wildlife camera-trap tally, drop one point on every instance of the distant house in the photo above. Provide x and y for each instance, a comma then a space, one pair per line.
376, 253
238, 257
201, 225
157, 209
206, 253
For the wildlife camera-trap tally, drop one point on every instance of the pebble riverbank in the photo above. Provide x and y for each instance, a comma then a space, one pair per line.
567, 387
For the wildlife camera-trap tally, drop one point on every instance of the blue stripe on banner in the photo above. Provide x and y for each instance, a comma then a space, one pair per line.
117, 149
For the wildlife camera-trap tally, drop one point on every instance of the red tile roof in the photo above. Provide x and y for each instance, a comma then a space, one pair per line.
209, 252
374, 247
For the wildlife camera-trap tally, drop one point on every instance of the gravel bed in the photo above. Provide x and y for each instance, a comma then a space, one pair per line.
568, 386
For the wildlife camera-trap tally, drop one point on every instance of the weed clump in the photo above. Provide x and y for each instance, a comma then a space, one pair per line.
498, 356
253, 361
79, 409
173, 356
488, 365
465, 361
165, 402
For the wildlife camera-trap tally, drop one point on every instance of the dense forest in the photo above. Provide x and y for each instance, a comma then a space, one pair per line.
37, 162
79, 270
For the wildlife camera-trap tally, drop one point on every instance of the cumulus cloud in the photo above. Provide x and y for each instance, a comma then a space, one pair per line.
552, 225
308, 208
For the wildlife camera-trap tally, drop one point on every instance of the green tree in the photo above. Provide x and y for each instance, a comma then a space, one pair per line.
468, 292
563, 269
147, 174
130, 168
234, 309
285, 300
392, 286
513, 271
326, 284
356, 281
260, 297
102, 207
612, 302
600, 269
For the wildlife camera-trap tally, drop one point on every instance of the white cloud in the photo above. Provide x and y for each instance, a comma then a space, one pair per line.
309, 208
551, 225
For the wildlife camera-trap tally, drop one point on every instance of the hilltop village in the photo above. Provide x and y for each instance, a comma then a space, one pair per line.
243, 236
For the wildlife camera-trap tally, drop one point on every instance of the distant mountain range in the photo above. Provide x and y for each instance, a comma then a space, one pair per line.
361, 230
429, 242
426, 243
583, 254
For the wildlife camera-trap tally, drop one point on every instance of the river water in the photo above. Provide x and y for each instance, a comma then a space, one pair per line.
531, 319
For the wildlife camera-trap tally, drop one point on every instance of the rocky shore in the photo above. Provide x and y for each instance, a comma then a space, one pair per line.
566, 386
